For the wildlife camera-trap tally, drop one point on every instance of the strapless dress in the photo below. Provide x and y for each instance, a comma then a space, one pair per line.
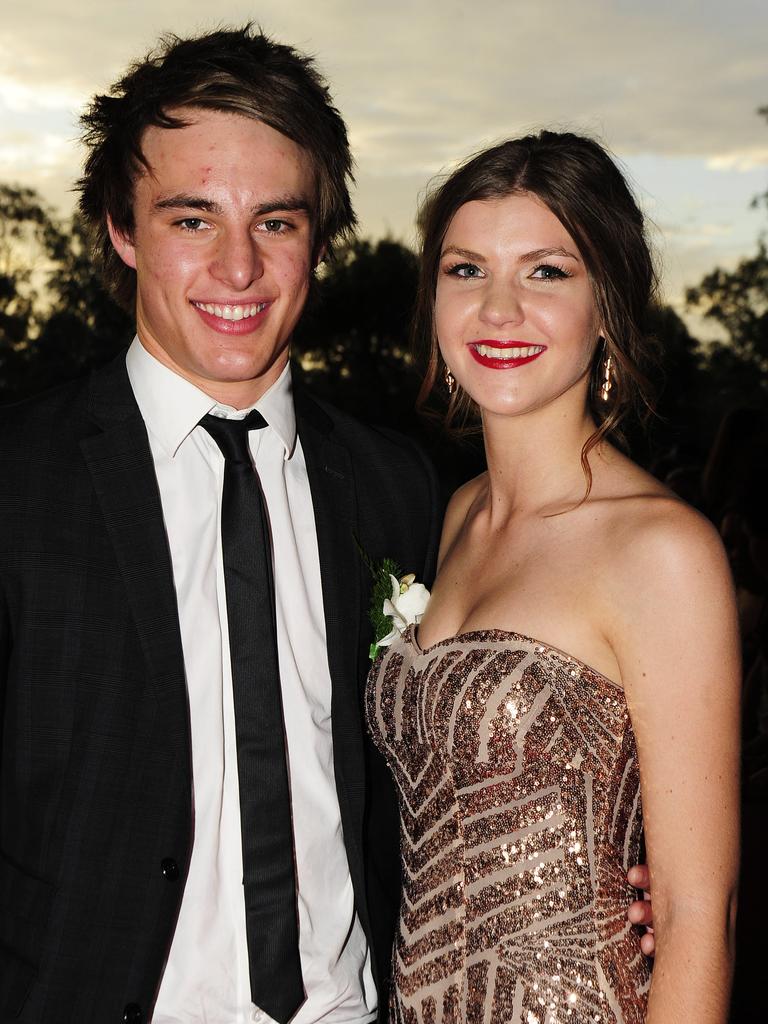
520, 813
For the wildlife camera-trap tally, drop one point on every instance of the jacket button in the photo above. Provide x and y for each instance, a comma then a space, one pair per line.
132, 1014
170, 869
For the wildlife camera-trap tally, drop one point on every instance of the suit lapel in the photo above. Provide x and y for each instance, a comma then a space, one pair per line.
331, 481
123, 474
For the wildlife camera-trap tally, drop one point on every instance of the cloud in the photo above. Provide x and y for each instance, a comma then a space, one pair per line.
21, 98
663, 79
742, 160
423, 85
676, 78
38, 152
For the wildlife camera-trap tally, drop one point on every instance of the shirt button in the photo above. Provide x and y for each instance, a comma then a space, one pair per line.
170, 869
132, 1014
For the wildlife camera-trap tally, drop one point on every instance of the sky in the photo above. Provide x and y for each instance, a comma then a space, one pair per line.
672, 88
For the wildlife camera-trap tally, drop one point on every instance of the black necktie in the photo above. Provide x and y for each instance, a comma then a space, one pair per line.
265, 805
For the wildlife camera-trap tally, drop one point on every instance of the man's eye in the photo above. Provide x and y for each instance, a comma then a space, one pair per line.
192, 224
275, 226
465, 270
549, 272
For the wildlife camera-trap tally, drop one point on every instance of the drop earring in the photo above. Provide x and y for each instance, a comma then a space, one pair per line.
605, 387
450, 380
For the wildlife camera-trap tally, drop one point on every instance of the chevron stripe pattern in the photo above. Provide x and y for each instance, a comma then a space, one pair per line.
520, 814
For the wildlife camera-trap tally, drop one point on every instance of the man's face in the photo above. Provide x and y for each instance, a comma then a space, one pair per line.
223, 250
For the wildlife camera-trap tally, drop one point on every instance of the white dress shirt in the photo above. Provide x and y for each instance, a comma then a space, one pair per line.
206, 978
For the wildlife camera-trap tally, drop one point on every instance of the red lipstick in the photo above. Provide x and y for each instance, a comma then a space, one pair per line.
485, 353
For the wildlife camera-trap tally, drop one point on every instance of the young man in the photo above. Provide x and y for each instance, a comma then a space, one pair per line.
192, 826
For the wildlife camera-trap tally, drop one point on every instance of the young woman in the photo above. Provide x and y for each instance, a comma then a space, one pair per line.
580, 645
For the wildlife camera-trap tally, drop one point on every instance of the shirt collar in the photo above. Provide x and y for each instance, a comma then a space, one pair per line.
172, 407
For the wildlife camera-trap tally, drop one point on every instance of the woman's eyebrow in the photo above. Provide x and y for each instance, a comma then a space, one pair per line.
541, 254
465, 254
526, 257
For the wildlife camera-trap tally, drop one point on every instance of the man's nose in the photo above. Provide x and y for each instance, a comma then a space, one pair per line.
238, 261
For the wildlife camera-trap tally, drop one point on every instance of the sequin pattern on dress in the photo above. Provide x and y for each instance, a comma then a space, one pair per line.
520, 814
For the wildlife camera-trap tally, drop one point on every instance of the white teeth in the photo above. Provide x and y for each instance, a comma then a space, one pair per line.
516, 352
232, 312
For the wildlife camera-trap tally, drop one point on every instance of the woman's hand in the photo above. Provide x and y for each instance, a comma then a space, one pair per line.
641, 911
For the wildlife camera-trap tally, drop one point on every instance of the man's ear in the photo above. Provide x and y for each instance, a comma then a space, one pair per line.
123, 245
318, 256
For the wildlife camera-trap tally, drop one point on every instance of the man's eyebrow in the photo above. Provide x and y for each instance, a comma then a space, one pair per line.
184, 201
291, 204
187, 202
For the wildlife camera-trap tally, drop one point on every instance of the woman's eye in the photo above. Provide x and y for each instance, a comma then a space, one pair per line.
549, 272
465, 270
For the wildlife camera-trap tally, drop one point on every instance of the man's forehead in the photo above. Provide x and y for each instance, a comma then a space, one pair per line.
189, 121
215, 148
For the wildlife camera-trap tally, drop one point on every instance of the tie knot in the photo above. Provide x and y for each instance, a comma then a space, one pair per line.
232, 435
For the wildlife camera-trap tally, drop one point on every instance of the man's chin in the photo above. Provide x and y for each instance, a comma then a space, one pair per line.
240, 376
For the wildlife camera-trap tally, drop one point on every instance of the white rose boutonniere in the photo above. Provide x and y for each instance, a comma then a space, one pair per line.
397, 600
405, 605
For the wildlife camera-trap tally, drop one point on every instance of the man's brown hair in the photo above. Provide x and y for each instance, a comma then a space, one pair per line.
239, 71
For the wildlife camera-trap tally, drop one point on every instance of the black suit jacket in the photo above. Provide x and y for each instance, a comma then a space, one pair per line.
95, 776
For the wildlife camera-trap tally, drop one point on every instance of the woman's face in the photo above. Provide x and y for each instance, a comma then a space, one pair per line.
514, 310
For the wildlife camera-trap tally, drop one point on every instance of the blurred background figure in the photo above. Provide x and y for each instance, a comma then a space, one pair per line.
735, 495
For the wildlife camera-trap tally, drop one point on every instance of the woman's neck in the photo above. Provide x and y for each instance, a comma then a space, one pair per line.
534, 460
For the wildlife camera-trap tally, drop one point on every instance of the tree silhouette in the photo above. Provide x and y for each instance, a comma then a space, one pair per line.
353, 339
26, 227
737, 300
57, 320
672, 434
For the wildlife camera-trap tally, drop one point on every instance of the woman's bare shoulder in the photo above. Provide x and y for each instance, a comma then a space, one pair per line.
464, 496
649, 542
655, 523
662, 557
642, 516
462, 500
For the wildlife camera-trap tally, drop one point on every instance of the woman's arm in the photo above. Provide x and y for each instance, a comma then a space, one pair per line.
675, 635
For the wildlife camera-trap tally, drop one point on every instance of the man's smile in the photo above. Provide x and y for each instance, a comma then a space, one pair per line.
231, 311
234, 318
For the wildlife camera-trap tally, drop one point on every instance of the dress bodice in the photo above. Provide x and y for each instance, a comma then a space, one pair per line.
520, 814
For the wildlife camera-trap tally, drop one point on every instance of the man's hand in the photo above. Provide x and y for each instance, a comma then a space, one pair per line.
641, 911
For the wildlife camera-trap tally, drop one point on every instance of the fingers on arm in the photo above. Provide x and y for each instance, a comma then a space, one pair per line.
639, 876
648, 943
641, 912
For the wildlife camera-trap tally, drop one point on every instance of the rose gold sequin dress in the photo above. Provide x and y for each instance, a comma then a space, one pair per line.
520, 814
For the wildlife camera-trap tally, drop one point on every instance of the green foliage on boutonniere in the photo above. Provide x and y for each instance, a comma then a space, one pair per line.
382, 589
397, 601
